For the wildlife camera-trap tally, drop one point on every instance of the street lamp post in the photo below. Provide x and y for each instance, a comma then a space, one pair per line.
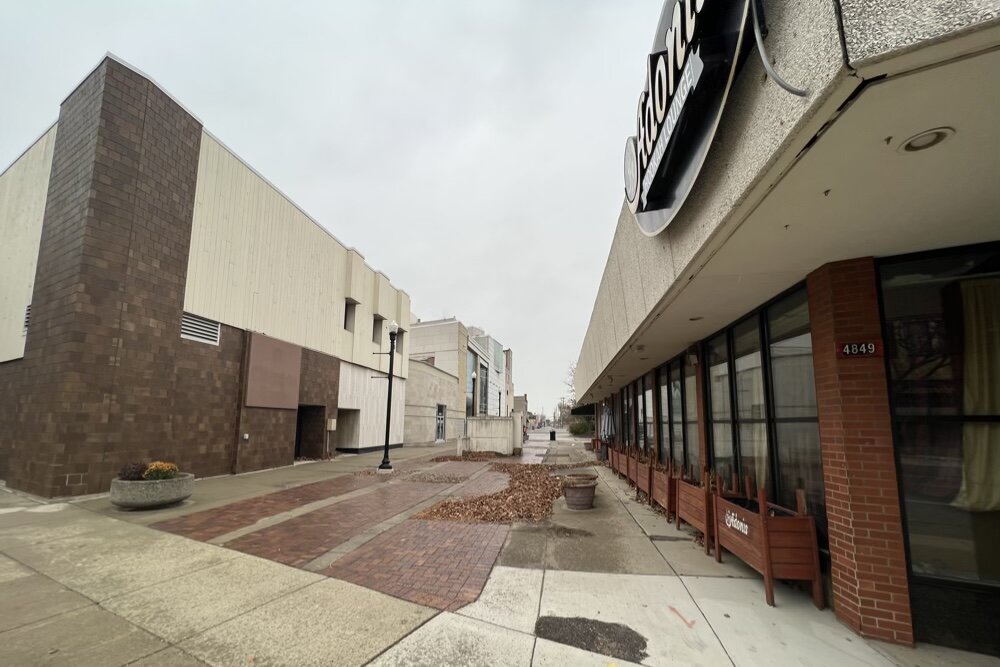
393, 330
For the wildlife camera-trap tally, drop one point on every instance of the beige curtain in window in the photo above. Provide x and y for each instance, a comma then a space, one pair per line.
980, 491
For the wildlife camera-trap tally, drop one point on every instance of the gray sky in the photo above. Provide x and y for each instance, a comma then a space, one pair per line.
471, 150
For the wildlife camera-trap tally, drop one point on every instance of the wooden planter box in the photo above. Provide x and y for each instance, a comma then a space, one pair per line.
633, 467
664, 490
782, 546
642, 476
694, 506
615, 464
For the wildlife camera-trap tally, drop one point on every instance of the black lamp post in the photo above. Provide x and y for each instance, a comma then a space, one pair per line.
393, 330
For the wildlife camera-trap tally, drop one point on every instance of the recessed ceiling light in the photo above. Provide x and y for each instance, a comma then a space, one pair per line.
926, 139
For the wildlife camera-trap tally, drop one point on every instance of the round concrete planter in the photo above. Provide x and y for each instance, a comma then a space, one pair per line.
579, 494
148, 493
578, 477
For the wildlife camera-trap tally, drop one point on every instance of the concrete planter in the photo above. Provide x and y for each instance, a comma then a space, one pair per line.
148, 493
579, 494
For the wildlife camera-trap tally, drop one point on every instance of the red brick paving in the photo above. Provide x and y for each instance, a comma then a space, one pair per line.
297, 541
211, 523
440, 564
459, 468
485, 484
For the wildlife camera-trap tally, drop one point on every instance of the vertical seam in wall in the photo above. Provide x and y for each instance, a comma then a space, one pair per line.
838, 11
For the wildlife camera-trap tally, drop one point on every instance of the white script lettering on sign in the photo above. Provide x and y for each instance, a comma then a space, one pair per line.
736, 523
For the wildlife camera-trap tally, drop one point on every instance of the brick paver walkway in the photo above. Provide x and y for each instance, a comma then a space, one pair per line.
487, 483
211, 523
297, 541
440, 564
459, 468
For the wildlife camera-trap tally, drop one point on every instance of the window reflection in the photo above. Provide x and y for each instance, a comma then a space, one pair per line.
943, 321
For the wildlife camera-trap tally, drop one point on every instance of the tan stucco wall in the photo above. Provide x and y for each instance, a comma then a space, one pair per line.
360, 389
23, 190
258, 262
759, 124
428, 387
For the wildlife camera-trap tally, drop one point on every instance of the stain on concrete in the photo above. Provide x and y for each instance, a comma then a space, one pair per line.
611, 639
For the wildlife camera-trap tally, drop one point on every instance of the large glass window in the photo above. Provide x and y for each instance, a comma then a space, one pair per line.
690, 401
666, 432
751, 408
484, 388
648, 413
793, 389
721, 417
942, 318
471, 363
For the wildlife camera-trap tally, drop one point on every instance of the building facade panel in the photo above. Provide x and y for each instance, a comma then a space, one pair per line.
23, 188
435, 405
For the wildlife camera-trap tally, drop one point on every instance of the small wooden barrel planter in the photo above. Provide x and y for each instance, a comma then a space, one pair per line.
777, 542
643, 471
694, 507
664, 491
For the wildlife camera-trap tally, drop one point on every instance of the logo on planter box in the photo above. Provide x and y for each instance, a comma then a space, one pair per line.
696, 50
736, 523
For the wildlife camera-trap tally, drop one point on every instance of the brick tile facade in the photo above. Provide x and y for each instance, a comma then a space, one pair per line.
106, 378
869, 572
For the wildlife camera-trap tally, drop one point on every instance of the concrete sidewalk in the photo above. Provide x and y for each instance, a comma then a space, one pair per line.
85, 584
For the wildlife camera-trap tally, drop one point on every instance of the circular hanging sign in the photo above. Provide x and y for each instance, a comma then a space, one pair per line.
697, 48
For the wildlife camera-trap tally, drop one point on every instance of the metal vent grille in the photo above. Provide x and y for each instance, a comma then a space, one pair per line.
200, 329
27, 319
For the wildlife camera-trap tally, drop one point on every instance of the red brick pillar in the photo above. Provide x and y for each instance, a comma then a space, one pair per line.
870, 591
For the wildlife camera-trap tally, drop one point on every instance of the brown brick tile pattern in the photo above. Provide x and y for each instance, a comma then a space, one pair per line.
211, 523
297, 541
487, 483
440, 564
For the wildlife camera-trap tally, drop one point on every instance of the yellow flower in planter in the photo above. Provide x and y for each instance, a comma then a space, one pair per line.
160, 470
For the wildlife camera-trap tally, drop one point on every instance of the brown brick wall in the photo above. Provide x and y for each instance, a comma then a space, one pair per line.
868, 562
272, 439
319, 384
109, 287
205, 403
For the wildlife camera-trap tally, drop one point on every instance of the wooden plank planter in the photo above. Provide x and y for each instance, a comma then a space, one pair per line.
643, 470
664, 490
778, 543
633, 467
694, 507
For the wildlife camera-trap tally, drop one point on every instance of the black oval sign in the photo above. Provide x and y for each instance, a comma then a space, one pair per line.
688, 76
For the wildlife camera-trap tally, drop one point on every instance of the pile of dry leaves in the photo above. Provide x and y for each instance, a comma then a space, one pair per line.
529, 496
467, 456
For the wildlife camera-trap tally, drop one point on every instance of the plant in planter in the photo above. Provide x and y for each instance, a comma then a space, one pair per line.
142, 486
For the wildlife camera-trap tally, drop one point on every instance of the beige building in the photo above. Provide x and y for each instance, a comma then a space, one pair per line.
435, 405
160, 299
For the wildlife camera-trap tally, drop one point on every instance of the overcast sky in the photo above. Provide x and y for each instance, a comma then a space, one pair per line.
471, 150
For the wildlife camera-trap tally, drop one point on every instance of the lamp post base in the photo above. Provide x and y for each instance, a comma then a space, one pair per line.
384, 471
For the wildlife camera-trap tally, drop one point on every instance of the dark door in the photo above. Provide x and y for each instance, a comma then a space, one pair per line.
440, 425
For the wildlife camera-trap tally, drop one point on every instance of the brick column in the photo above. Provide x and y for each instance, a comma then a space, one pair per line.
870, 590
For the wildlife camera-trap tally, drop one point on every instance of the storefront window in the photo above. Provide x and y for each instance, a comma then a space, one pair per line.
721, 408
751, 409
942, 318
690, 402
799, 464
666, 416
648, 413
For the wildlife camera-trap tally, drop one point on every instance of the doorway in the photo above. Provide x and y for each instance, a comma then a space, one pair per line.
310, 432
439, 427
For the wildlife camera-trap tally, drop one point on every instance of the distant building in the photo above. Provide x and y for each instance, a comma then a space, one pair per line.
478, 365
